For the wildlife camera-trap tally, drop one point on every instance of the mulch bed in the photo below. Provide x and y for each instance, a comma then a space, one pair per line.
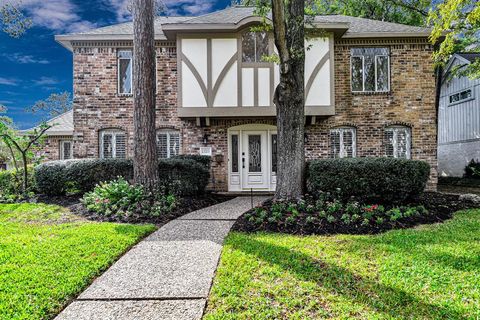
186, 205
440, 206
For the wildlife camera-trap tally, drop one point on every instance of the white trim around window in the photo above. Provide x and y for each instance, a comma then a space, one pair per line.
343, 142
168, 143
66, 149
113, 144
398, 142
124, 54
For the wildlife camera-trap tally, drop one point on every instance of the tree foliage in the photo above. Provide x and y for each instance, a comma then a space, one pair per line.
459, 22
54, 105
12, 19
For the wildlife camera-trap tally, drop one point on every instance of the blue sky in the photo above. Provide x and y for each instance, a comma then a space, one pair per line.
34, 66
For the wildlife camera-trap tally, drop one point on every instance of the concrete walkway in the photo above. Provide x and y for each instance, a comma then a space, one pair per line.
166, 276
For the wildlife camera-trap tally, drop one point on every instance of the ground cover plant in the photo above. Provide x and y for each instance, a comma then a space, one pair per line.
427, 272
49, 255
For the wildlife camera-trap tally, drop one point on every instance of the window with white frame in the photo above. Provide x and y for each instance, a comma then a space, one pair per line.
168, 143
398, 142
461, 96
254, 46
125, 73
370, 69
113, 144
343, 142
66, 149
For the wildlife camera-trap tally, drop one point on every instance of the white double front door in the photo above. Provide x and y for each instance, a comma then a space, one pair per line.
252, 158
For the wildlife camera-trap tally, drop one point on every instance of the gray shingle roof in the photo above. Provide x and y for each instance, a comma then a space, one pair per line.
470, 56
234, 15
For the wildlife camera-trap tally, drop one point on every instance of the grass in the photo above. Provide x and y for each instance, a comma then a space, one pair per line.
429, 272
48, 256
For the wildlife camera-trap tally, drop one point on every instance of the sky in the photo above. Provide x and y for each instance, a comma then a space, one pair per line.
35, 66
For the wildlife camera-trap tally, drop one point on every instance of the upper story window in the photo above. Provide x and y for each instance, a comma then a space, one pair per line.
370, 69
66, 149
254, 46
168, 143
113, 144
125, 74
461, 96
343, 142
398, 142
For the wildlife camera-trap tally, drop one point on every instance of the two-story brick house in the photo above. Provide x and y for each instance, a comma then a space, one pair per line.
370, 91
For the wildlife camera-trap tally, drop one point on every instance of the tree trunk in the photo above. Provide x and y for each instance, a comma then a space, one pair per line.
145, 156
289, 32
25, 172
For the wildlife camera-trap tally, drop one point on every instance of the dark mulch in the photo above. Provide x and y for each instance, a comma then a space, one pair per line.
186, 205
440, 206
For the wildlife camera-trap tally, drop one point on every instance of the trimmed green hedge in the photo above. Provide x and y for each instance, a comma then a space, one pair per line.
372, 180
180, 176
205, 160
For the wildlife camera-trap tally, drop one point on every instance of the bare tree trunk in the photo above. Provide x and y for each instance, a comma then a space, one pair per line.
25, 172
289, 32
145, 168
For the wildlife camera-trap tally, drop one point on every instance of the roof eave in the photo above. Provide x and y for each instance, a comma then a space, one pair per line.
386, 35
66, 40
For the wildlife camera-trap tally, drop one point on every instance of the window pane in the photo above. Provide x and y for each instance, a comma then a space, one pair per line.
274, 153
125, 76
335, 143
348, 137
401, 143
248, 47
254, 153
369, 65
120, 146
234, 153
389, 143
357, 74
162, 145
67, 150
174, 144
261, 46
107, 146
382, 73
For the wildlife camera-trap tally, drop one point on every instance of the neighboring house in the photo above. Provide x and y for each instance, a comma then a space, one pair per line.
370, 91
458, 118
59, 142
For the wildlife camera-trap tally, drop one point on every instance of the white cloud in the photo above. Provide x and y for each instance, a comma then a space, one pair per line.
23, 59
8, 81
45, 81
56, 15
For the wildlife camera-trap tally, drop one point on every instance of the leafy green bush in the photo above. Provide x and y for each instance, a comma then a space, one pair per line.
327, 215
472, 170
11, 185
205, 160
122, 200
179, 176
368, 180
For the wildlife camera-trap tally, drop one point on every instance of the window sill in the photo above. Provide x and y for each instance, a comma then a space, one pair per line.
371, 93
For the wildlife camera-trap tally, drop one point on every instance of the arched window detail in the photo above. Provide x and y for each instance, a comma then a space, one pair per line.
113, 144
343, 142
168, 143
398, 142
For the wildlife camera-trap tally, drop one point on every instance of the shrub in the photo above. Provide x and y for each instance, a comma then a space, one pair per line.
368, 180
122, 201
472, 170
179, 176
205, 160
11, 185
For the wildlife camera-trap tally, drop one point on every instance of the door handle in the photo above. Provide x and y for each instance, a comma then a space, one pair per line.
243, 163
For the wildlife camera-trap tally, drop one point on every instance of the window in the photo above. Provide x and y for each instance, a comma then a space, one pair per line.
370, 68
113, 144
66, 149
398, 142
234, 141
461, 96
125, 65
343, 142
254, 46
168, 143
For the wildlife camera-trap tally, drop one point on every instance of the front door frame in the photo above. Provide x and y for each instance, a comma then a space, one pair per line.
236, 179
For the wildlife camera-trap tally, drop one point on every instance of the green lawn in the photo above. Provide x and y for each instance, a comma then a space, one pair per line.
430, 272
47, 256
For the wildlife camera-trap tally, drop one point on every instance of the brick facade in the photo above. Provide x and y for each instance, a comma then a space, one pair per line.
411, 101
